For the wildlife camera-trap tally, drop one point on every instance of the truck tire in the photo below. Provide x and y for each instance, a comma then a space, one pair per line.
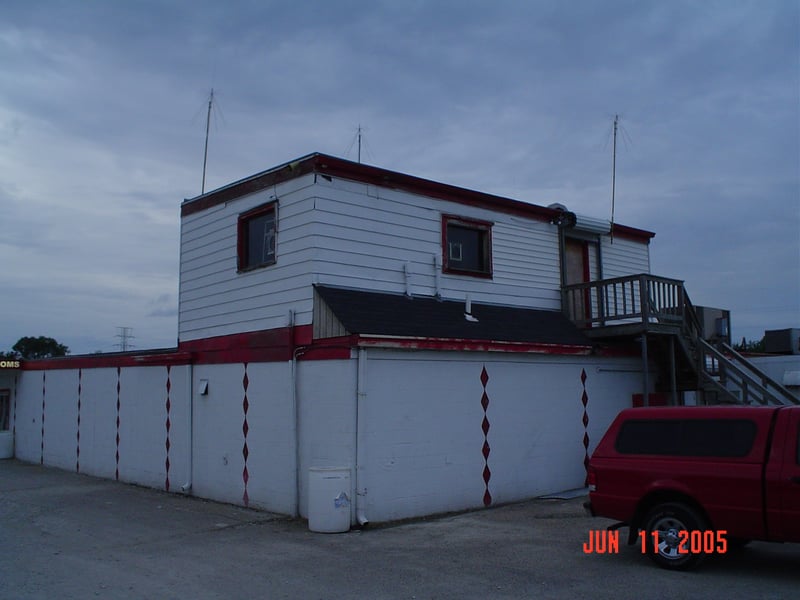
669, 520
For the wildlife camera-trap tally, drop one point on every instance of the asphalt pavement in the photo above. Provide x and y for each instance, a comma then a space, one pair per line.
64, 535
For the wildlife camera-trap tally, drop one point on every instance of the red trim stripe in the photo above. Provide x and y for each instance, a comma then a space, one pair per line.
345, 169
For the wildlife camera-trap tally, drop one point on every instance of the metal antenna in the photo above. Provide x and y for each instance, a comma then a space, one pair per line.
208, 126
359, 143
614, 176
360, 140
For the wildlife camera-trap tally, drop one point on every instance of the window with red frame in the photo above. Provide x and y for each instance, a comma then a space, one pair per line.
467, 246
256, 237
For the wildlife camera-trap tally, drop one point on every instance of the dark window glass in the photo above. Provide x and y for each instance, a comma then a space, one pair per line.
257, 238
467, 246
687, 437
5, 409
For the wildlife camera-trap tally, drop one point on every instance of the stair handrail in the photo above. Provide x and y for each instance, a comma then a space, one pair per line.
766, 380
750, 386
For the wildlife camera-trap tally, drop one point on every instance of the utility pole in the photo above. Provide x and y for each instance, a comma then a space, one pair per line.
125, 334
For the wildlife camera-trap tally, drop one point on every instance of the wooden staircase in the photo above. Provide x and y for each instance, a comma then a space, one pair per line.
657, 313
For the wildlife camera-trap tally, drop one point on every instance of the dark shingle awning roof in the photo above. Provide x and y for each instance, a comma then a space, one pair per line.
382, 314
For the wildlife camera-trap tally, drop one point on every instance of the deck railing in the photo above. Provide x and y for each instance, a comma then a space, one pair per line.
628, 300
650, 303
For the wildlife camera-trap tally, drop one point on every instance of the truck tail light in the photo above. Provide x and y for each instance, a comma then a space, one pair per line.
591, 480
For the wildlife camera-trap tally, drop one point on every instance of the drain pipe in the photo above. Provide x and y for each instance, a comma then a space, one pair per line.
361, 396
186, 488
295, 416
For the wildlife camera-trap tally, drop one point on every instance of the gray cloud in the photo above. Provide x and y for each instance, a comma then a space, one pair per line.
102, 111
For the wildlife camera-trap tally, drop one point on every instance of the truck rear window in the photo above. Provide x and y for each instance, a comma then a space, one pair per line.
687, 437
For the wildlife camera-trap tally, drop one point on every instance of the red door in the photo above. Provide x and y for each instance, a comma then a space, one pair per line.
576, 270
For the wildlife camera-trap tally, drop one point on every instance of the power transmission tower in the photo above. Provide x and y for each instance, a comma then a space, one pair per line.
125, 334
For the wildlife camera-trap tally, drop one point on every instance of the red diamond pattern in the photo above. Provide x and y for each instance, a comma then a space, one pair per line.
78, 433
116, 470
486, 449
585, 420
44, 379
245, 431
168, 425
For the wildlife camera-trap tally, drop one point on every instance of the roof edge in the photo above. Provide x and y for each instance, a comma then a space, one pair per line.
332, 166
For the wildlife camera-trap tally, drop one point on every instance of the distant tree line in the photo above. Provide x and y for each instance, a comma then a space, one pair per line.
35, 347
750, 345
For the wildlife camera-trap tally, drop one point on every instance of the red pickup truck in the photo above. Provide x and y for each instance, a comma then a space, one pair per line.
691, 481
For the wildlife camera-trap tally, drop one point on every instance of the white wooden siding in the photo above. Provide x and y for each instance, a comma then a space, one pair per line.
366, 235
624, 257
349, 234
217, 300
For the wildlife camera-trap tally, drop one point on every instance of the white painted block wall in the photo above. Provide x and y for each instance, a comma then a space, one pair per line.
219, 438
424, 426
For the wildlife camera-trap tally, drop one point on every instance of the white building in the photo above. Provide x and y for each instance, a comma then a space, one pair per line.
433, 343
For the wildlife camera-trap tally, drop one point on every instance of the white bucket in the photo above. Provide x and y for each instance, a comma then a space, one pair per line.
329, 499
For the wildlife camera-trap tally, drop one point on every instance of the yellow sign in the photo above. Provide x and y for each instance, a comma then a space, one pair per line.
9, 364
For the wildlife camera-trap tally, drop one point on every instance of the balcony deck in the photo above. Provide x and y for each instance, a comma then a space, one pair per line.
630, 306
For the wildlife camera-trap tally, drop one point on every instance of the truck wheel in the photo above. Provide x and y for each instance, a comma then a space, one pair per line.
670, 520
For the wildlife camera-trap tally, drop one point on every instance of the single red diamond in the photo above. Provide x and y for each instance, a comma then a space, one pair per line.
484, 376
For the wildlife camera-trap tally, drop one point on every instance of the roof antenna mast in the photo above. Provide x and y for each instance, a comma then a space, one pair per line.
359, 143
205, 152
614, 175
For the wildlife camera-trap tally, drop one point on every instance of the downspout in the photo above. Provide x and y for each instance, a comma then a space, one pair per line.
361, 396
186, 488
295, 417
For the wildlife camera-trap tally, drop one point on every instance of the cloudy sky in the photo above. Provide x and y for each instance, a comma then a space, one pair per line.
103, 109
